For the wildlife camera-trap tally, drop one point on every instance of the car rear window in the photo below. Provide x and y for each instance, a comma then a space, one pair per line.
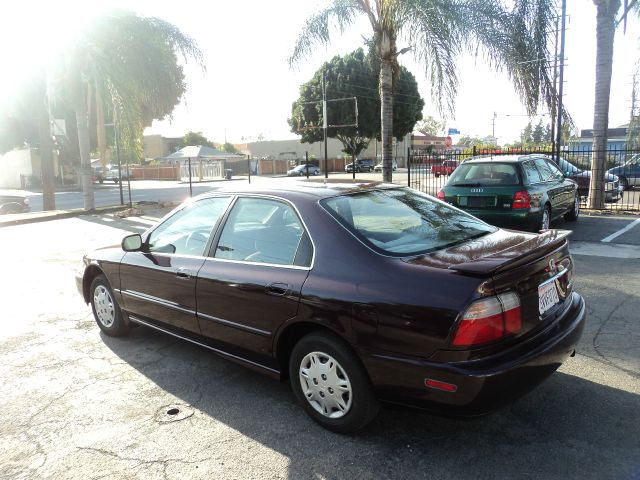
485, 174
403, 222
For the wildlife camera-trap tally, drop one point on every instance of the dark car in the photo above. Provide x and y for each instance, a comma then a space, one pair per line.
613, 190
301, 170
356, 293
629, 173
362, 165
111, 174
521, 192
13, 202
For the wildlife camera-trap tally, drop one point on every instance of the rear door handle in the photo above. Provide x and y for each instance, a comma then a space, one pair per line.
280, 289
184, 273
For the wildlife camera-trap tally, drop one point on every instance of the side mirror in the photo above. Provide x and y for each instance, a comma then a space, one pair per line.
132, 243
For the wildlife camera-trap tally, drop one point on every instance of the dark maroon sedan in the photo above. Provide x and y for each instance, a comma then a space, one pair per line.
356, 293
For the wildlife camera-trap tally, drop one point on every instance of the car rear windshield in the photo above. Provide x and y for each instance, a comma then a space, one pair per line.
403, 222
485, 174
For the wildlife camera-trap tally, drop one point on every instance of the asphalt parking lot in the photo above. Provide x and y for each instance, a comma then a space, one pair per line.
78, 404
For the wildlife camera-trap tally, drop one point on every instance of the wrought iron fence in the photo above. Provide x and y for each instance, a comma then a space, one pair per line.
429, 170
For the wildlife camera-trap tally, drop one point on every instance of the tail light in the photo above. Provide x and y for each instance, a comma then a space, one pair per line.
521, 199
441, 195
488, 320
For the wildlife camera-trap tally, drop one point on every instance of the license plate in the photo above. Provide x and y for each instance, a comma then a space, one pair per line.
547, 296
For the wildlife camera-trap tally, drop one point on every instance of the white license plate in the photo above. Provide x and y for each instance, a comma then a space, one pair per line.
547, 296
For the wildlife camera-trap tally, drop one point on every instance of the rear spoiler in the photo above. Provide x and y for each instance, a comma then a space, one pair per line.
536, 247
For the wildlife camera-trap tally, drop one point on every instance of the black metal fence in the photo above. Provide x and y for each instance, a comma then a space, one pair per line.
429, 170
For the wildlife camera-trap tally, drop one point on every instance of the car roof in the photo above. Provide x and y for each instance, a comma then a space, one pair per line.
310, 189
503, 158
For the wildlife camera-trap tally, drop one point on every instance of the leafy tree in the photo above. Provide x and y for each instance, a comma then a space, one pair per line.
229, 148
353, 75
526, 137
125, 68
538, 134
430, 126
436, 32
470, 141
195, 138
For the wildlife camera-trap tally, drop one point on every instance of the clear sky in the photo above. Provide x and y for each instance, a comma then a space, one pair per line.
248, 86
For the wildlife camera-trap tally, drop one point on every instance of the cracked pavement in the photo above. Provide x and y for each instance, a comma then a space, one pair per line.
78, 404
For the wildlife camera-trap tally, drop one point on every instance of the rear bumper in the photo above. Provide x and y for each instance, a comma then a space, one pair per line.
516, 219
482, 385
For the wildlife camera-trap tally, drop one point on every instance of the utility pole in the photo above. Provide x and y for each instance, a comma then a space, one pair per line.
561, 80
493, 127
554, 100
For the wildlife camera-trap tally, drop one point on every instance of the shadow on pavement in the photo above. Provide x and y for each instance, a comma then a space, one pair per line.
568, 427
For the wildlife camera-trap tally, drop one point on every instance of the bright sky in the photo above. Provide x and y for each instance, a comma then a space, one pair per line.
248, 87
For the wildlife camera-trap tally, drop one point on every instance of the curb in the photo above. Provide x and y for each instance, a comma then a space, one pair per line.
55, 215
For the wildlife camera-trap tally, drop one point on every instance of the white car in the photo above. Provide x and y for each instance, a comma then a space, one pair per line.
378, 167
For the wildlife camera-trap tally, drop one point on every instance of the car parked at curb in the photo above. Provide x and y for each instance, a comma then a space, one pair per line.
356, 293
110, 174
629, 173
522, 192
378, 167
301, 170
13, 202
362, 165
613, 190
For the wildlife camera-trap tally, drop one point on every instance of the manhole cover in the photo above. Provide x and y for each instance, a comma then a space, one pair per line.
173, 413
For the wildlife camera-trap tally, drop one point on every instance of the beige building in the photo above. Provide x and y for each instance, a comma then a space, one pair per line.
156, 146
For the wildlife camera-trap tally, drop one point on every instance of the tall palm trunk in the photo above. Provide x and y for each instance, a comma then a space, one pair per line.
82, 122
386, 118
46, 160
605, 33
100, 129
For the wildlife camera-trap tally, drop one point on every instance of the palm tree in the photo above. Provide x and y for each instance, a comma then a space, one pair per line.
124, 68
605, 33
436, 32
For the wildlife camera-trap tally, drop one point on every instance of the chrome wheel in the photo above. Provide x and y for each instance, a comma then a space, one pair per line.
103, 304
325, 385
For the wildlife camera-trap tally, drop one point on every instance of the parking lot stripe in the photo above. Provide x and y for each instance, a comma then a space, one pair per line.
596, 249
621, 231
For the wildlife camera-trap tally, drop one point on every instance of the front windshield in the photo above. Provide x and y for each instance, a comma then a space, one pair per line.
403, 222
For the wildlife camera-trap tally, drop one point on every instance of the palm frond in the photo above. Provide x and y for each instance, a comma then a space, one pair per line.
317, 28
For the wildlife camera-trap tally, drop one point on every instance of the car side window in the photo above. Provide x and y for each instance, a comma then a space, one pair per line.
543, 167
188, 230
531, 172
263, 230
555, 171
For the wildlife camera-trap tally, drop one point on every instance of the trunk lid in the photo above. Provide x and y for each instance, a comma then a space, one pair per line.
537, 267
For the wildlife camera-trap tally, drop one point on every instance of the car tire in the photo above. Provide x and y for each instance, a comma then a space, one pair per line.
316, 172
545, 220
624, 183
436, 175
106, 311
573, 214
315, 383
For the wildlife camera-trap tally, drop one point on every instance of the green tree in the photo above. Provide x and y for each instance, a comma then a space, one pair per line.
229, 148
430, 126
353, 75
538, 134
436, 32
470, 141
125, 69
526, 137
195, 138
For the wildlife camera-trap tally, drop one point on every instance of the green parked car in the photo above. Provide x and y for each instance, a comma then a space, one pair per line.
520, 192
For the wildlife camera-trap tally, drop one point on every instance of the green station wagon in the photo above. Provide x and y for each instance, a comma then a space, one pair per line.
521, 192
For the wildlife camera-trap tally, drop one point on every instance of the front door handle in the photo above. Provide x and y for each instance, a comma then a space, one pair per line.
184, 273
280, 289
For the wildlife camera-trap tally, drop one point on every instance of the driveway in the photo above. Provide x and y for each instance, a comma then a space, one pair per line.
78, 404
